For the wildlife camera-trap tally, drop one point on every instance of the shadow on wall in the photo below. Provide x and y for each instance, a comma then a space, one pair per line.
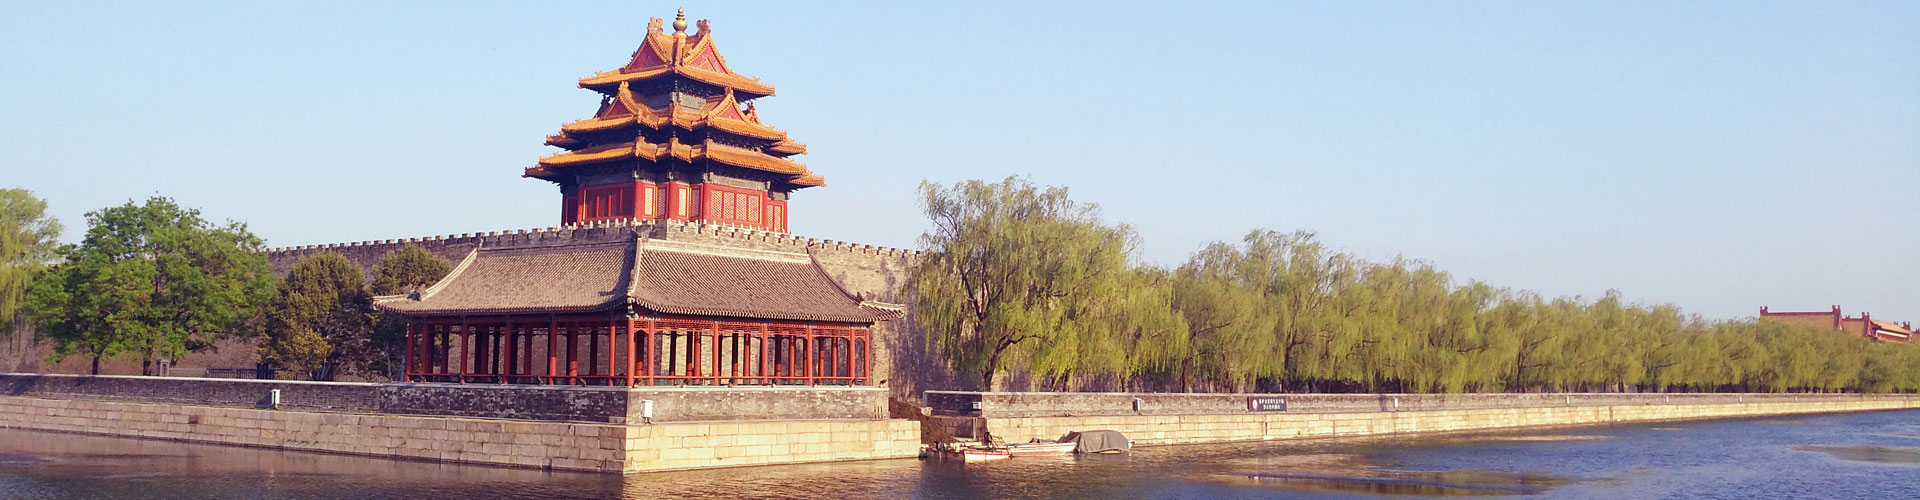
916, 366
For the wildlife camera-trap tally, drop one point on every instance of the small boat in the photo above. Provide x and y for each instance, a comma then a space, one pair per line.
1098, 442
1039, 447
983, 454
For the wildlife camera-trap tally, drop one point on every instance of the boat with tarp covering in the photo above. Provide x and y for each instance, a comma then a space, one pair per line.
1098, 441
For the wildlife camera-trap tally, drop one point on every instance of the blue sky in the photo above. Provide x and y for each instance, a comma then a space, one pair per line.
1719, 156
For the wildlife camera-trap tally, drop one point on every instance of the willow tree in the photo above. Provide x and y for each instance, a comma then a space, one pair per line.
1013, 271
27, 245
1225, 335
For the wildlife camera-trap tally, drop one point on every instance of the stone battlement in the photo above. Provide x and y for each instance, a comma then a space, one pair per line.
455, 246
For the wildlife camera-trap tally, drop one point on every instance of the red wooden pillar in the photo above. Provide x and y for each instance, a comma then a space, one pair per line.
466, 348
426, 348
573, 353
406, 360
808, 356
693, 354
513, 350
631, 324
446, 349
593, 344
714, 329
647, 336
482, 349
526, 352
762, 362
613, 350
427, 354
553, 328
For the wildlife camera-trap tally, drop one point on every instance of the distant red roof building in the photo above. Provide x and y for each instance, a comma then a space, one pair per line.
1863, 325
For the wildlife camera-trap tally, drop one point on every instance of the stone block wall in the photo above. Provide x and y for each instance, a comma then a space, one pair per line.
702, 404
236, 393
549, 445
549, 403
1044, 404
1187, 429
520, 402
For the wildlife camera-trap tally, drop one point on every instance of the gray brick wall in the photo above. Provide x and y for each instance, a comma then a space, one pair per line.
519, 402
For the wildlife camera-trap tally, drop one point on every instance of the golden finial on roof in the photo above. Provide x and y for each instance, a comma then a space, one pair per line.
680, 21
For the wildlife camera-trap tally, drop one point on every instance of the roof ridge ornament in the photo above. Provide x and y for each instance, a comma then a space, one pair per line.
680, 22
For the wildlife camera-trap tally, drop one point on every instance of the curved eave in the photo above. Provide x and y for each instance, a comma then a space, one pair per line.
744, 128
398, 309
685, 120
751, 159
595, 124
718, 153
809, 179
589, 155
733, 81
875, 315
788, 147
563, 141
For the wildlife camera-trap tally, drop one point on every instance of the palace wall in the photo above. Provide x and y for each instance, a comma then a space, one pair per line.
1069, 404
1206, 418
520, 402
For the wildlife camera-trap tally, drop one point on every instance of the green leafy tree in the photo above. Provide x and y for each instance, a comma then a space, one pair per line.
321, 316
27, 245
400, 271
151, 280
408, 268
1017, 273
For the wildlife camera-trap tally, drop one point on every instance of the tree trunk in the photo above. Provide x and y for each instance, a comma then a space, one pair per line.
1185, 364
96, 364
146, 367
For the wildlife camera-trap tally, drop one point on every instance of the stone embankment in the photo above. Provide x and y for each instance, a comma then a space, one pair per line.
624, 430
1205, 418
573, 428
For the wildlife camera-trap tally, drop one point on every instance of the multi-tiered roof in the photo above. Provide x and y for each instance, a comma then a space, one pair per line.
676, 104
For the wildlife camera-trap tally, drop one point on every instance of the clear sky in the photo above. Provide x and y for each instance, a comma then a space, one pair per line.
1719, 156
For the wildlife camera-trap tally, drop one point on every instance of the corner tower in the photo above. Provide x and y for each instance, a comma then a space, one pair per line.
676, 137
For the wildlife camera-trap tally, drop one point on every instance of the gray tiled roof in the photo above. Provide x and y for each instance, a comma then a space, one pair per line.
564, 279
662, 276
715, 282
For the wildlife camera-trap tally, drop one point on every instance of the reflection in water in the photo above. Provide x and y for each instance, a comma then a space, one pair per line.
1710, 459
1376, 485
1548, 438
1874, 454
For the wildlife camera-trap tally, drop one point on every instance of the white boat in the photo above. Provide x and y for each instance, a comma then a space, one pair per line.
1040, 448
982, 454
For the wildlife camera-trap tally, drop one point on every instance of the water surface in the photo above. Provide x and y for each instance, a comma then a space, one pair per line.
1858, 455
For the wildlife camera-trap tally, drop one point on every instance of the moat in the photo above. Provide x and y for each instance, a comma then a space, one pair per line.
1854, 455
